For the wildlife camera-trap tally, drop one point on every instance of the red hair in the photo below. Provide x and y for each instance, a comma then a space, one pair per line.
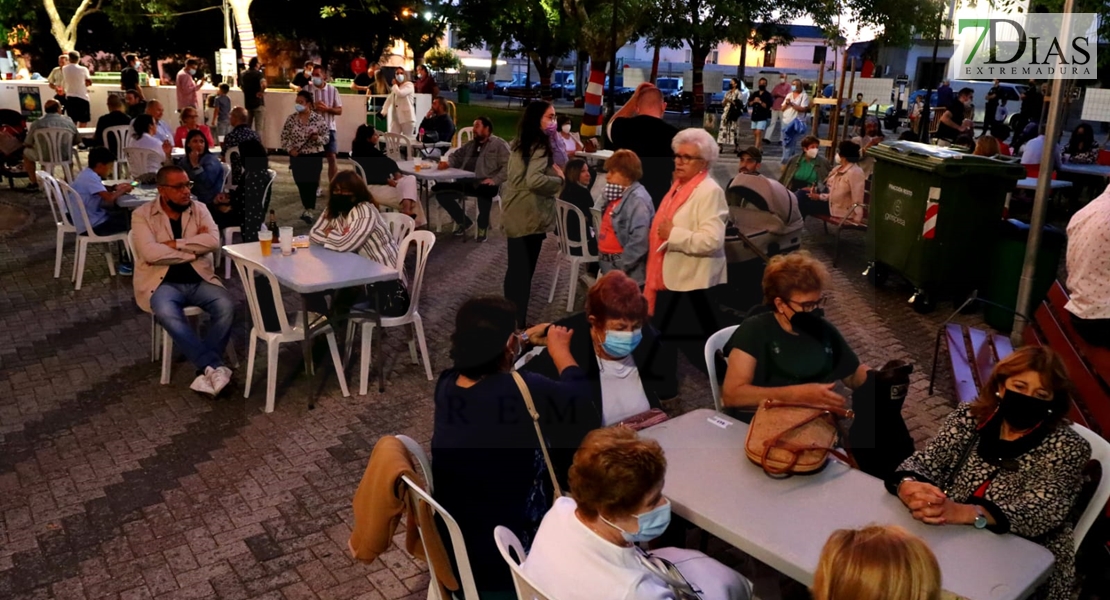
616, 296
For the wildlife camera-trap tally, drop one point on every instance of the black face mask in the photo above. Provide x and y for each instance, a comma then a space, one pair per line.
179, 207
810, 323
763, 88
1023, 412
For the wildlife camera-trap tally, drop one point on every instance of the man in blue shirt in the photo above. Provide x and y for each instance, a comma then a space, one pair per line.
100, 202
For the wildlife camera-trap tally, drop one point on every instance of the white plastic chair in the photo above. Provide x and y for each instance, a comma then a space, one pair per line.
1100, 451
232, 153
288, 333
229, 232
716, 342
400, 226
424, 241
358, 169
458, 543
421, 459
141, 160
463, 136
227, 186
54, 147
563, 210
393, 144
76, 206
506, 540
122, 136
61, 221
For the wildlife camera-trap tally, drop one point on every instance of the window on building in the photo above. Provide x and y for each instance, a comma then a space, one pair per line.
713, 56
769, 57
689, 58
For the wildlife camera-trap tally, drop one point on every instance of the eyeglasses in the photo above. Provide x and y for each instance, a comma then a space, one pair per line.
685, 158
188, 185
810, 306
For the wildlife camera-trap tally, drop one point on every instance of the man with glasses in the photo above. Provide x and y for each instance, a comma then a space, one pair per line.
639, 126
173, 238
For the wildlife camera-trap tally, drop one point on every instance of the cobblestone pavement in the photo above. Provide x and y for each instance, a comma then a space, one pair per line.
113, 486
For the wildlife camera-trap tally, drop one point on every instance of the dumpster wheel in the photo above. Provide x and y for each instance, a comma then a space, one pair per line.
876, 273
923, 302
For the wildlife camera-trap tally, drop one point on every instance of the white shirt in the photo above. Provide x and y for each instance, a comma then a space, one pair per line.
622, 392
1031, 151
328, 95
799, 98
163, 132
150, 142
568, 561
75, 77
1088, 260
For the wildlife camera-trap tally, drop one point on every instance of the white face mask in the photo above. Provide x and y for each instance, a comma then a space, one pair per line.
400, 78
811, 153
837, 159
566, 128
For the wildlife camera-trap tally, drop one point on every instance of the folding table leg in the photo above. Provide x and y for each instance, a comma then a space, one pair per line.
306, 343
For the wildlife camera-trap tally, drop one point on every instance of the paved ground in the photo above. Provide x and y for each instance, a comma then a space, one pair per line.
113, 486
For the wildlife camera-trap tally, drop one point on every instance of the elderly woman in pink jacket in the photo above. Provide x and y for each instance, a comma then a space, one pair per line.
845, 187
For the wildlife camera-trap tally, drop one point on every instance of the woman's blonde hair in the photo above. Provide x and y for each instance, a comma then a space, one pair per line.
987, 146
878, 562
1042, 360
794, 272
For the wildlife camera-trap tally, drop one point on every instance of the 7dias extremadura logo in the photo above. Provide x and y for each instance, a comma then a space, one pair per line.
1038, 46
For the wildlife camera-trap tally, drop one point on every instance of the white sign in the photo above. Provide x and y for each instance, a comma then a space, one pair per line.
226, 62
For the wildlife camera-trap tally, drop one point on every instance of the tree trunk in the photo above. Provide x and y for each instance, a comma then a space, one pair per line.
698, 54
591, 120
492, 73
66, 33
743, 60
579, 72
654, 65
545, 68
241, 10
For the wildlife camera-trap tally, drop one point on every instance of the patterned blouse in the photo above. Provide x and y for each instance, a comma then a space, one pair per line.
305, 138
363, 230
1031, 483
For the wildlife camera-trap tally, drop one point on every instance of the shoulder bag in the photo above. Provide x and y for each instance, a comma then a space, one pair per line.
794, 438
539, 432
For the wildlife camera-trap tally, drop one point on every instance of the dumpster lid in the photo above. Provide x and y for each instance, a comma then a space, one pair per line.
928, 150
946, 162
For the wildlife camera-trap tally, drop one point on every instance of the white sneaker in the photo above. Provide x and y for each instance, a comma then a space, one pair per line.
319, 191
202, 385
218, 378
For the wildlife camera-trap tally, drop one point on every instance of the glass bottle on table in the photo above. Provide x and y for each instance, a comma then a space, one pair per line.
273, 226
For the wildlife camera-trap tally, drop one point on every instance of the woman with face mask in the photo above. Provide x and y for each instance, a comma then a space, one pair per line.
804, 171
486, 460
571, 143
785, 349
398, 105
585, 547
844, 187
626, 217
615, 345
1008, 463
304, 136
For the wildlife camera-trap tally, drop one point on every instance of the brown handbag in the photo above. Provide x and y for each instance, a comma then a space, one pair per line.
793, 438
646, 419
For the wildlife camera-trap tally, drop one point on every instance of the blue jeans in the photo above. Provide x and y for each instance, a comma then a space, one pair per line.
168, 303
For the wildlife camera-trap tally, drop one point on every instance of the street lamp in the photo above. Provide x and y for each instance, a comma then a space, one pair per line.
428, 15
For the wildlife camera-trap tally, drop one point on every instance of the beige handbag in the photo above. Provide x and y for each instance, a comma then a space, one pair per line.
539, 432
793, 438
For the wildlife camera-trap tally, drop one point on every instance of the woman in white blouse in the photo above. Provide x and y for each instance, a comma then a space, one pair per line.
585, 547
398, 105
144, 129
570, 142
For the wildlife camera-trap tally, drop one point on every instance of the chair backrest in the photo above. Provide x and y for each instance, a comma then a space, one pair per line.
232, 152
76, 207
458, 544
463, 136
141, 160
358, 169
453, 111
120, 137
54, 145
421, 458
53, 198
227, 177
1100, 451
247, 269
400, 225
424, 241
716, 342
563, 210
393, 143
269, 186
507, 541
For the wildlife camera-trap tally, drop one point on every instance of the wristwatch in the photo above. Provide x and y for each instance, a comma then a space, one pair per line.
980, 518
904, 480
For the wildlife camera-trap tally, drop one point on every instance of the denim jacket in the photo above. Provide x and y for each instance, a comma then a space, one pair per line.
632, 224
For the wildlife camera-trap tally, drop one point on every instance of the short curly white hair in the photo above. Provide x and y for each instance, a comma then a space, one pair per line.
707, 146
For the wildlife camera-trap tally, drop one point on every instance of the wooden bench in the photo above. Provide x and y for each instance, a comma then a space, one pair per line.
973, 354
1088, 366
841, 223
522, 94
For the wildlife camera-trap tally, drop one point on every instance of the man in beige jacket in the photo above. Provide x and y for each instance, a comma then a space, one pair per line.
174, 238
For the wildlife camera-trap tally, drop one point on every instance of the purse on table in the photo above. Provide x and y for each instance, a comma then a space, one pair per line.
794, 438
645, 419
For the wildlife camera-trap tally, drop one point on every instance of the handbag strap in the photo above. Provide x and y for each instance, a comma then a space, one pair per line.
826, 412
539, 432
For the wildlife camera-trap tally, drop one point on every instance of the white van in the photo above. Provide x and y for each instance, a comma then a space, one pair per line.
1011, 92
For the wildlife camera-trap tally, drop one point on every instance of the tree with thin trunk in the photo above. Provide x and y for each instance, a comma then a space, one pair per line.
64, 29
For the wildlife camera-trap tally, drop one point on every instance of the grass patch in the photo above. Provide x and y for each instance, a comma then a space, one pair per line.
504, 120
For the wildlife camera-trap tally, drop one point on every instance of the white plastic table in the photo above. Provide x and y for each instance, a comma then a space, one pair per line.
785, 522
137, 197
84, 131
429, 171
178, 152
1096, 170
598, 156
314, 269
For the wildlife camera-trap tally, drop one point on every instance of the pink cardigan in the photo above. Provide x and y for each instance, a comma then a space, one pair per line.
845, 189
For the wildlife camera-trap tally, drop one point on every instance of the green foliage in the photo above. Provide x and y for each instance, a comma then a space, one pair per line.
15, 13
537, 29
442, 59
595, 24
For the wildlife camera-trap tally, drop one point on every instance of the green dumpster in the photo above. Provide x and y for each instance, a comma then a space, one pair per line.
1009, 258
933, 217
464, 93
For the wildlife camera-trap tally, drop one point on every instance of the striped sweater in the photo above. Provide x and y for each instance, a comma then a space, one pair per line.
362, 230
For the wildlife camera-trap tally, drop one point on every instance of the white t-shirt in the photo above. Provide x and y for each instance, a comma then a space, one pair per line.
568, 561
1031, 151
75, 77
569, 144
622, 392
328, 95
799, 98
1089, 260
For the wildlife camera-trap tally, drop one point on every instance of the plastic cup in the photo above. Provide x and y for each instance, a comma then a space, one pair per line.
286, 237
266, 242
416, 167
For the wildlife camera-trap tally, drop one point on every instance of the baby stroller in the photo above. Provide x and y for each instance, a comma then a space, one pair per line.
13, 132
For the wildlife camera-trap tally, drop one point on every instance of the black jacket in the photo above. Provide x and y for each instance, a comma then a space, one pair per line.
658, 382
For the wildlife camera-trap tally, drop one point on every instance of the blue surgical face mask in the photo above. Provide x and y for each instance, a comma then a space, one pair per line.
651, 524
317, 81
192, 71
619, 344
299, 107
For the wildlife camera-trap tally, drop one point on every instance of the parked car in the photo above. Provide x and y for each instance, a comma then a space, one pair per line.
501, 86
717, 99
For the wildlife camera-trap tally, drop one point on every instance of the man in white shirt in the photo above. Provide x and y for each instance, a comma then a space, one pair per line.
154, 108
1088, 262
77, 81
794, 108
329, 105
